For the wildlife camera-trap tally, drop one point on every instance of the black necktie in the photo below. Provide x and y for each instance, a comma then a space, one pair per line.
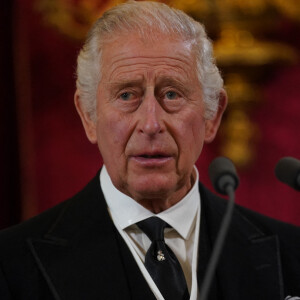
161, 262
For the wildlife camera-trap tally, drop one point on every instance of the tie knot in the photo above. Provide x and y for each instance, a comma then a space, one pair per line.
153, 227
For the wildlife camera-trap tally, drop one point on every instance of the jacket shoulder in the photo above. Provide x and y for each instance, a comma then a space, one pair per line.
37, 226
263, 223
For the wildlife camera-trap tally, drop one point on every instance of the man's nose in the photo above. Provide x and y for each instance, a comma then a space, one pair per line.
150, 122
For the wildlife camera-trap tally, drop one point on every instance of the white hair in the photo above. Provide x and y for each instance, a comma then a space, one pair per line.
149, 18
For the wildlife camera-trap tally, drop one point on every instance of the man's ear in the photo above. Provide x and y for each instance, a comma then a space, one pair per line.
88, 124
212, 125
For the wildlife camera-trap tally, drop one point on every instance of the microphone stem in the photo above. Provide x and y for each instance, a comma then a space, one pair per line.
218, 244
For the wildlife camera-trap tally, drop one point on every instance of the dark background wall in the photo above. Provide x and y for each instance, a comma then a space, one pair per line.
9, 156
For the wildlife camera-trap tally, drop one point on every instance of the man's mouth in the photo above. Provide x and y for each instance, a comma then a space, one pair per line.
153, 156
151, 159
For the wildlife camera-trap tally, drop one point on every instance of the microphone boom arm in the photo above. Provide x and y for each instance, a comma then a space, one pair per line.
219, 243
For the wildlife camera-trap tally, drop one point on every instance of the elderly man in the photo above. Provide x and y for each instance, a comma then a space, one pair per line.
149, 94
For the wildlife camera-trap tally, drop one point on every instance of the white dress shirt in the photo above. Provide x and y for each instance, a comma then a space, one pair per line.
182, 238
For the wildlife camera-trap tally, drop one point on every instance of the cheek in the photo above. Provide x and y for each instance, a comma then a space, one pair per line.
192, 136
198, 131
113, 133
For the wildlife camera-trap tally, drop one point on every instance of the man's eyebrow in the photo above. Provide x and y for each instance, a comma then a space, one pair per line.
167, 81
125, 83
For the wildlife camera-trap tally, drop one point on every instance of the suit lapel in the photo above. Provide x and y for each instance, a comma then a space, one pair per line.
249, 267
139, 288
80, 256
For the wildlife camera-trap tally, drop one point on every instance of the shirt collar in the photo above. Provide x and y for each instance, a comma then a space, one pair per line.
125, 211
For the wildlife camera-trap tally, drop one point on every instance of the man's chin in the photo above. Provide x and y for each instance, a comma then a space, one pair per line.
157, 198
152, 188
160, 185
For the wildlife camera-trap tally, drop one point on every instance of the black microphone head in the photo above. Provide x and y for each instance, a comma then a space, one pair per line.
287, 171
222, 172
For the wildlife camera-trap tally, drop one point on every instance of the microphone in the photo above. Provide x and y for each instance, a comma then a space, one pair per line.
287, 171
222, 174
225, 180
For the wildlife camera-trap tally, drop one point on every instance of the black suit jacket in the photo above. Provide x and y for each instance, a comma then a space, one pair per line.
73, 251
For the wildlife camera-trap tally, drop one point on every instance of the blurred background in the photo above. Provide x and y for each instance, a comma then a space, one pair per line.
44, 154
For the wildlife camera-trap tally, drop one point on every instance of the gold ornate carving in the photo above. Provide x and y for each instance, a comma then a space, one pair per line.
291, 8
73, 18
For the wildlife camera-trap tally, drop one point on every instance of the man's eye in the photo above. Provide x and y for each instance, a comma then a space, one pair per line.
126, 96
171, 95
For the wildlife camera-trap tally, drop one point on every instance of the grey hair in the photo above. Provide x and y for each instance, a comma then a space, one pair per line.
146, 17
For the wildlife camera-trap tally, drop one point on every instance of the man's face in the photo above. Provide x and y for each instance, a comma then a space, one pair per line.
150, 127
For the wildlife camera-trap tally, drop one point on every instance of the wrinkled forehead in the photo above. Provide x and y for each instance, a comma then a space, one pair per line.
148, 41
162, 50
